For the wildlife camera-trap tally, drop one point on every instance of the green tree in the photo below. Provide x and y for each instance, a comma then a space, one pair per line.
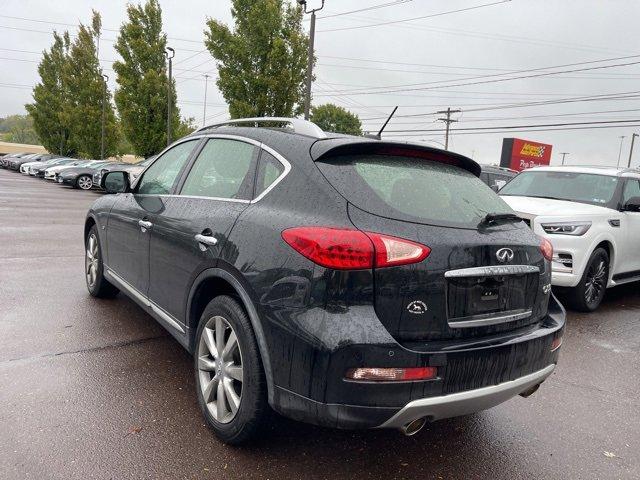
262, 62
333, 118
49, 98
141, 96
20, 129
87, 91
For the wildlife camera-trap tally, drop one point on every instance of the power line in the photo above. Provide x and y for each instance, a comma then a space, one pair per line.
392, 22
518, 131
493, 80
366, 9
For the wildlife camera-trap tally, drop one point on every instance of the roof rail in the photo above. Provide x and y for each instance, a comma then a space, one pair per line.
298, 125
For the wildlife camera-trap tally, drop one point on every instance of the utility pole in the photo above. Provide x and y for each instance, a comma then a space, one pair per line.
633, 139
204, 113
448, 121
104, 102
312, 34
170, 53
622, 137
564, 154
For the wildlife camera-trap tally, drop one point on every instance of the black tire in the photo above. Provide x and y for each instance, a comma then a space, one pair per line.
101, 287
588, 294
253, 410
84, 182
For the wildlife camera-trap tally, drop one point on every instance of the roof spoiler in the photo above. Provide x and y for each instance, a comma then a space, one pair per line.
335, 147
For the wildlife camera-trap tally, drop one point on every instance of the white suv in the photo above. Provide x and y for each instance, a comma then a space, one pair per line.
591, 215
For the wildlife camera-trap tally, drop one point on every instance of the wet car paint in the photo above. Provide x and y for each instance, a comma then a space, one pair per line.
332, 323
102, 391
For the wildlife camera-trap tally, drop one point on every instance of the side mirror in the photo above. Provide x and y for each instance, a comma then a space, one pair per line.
115, 182
632, 205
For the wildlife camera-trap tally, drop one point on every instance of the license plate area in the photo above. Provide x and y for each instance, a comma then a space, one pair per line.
488, 297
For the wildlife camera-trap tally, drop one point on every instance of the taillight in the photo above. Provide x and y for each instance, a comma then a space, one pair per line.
391, 374
546, 248
347, 249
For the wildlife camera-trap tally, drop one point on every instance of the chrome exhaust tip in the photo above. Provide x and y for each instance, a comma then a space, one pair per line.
530, 391
414, 426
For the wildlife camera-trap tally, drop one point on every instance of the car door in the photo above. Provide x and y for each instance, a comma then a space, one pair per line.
630, 261
192, 229
132, 216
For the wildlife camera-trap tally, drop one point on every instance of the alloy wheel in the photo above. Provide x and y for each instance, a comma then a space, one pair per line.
220, 369
91, 260
596, 282
85, 183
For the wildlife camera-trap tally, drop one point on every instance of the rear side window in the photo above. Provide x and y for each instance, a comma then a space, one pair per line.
412, 189
223, 169
268, 172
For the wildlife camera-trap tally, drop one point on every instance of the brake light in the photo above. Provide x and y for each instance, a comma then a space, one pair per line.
347, 249
546, 248
391, 374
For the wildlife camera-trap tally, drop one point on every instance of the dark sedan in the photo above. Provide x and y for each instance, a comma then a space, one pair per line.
80, 177
134, 169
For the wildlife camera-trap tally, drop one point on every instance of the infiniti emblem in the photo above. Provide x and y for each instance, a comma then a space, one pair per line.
504, 255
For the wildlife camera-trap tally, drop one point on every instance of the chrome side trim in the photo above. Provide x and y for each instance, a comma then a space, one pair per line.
487, 319
492, 271
111, 275
463, 403
166, 317
124, 285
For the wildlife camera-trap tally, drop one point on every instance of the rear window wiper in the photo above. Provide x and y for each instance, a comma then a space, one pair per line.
490, 218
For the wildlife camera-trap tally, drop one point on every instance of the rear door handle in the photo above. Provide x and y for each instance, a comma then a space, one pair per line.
206, 239
145, 225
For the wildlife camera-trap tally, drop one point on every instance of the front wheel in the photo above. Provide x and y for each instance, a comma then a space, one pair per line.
84, 182
588, 294
230, 381
97, 284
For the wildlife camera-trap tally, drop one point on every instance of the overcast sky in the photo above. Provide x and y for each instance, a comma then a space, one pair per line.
422, 63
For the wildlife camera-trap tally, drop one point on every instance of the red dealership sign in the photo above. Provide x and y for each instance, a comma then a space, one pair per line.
519, 154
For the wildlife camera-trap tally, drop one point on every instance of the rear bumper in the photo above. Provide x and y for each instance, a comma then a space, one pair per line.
473, 375
464, 403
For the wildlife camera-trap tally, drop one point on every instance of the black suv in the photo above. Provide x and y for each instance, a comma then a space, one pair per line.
342, 281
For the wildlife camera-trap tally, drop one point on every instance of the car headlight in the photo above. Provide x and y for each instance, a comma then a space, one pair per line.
566, 228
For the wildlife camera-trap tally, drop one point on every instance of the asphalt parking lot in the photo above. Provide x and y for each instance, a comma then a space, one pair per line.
96, 389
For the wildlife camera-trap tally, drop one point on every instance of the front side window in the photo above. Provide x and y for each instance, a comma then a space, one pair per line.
588, 188
159, 178
223, 169
412, 189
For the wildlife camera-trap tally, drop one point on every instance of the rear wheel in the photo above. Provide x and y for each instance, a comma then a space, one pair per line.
588, 294
97, 285
84, 182
230, 381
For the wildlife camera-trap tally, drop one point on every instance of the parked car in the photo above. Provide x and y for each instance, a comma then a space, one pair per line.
80, 176
14, 163
342, 281
591, 215
52, 172
4, 161
496, 177
134, 169
42, 159
38, 169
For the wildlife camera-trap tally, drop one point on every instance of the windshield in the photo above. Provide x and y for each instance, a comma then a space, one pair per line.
588, 188
414, 190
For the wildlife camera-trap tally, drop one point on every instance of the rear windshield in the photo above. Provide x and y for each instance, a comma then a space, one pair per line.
412, 189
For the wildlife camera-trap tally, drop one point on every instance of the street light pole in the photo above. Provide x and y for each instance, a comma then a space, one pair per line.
564, 154
204, 113
104, 102
633, 139
622, 137
170, 53
312, 34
